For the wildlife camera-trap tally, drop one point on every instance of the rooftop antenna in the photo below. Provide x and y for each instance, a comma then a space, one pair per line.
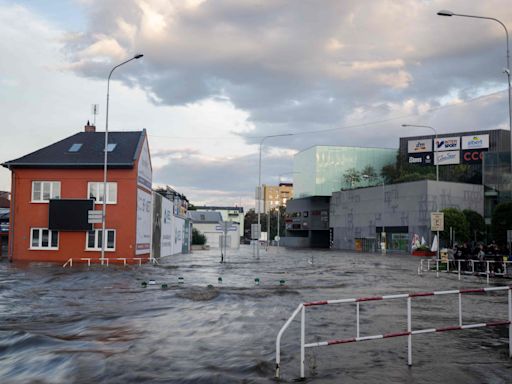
95, 109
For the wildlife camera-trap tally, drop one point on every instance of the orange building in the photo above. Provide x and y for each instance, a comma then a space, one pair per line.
53, 189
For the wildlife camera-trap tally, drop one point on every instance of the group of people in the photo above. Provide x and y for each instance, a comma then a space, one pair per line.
480, 254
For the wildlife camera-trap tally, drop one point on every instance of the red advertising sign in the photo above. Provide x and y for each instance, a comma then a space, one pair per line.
472, 156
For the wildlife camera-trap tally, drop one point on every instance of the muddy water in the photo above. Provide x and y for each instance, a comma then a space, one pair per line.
98, 325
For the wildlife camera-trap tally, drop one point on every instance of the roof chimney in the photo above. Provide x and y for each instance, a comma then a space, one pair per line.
89, 127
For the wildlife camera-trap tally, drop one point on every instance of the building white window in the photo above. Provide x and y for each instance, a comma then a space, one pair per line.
43, 191
94, 240
95, 192
43, 238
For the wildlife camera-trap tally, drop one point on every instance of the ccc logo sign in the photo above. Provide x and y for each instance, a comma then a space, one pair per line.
473, 156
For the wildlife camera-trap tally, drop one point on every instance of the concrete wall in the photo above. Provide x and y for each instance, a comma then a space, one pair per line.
357, 213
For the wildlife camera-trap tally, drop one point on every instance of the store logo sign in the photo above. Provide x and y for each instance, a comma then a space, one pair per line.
446, 158
419, 146
475, 142
447, 144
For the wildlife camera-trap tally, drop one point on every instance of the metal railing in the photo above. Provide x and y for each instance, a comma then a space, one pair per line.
496, 269
106, 261
409, 332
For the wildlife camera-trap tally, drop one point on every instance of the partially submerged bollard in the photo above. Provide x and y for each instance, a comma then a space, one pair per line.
257, 281
219, 280
144, 284
165, 286
152, 282
282, 282
180, 280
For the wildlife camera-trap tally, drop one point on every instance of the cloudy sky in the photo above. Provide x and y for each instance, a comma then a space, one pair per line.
218, 75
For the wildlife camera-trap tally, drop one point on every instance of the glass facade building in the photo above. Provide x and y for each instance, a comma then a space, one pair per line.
321, 170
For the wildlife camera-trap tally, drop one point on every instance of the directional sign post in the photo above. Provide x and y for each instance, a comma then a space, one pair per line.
437, 224
225, 227
94, 217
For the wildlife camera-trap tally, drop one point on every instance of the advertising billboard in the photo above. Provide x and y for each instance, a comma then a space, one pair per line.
167, 228
419, 146
421, 158
447, 158
144, 222
447, 144
475, 142
472, 156
144, 171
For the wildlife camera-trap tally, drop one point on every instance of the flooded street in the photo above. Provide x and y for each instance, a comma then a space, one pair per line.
99, 325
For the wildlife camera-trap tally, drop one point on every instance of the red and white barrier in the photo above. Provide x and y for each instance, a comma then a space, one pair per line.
409, 332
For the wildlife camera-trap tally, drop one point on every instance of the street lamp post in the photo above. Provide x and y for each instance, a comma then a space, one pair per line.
105, 161
258, 197
437, 169
507, 70
435, 134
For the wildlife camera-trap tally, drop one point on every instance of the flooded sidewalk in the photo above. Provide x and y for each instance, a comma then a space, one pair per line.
217, 323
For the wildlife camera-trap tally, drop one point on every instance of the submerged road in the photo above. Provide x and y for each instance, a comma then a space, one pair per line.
99, 325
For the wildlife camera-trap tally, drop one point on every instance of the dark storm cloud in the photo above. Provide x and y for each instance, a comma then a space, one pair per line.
364, 67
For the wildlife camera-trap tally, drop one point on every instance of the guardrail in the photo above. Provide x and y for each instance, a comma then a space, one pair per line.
409, 332
106, 261
506, 271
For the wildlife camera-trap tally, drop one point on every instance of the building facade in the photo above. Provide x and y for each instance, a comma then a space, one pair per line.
476, 157
307, 222
210, 224
358, 217
230, 214
320, 170
275, 196
54, 188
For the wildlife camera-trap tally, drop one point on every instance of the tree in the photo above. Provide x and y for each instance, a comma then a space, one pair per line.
476, 224
455, 219
197, 237
501, 222
351, 176
369, 172
390, 173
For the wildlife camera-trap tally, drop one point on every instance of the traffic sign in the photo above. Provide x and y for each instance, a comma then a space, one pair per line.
437, 221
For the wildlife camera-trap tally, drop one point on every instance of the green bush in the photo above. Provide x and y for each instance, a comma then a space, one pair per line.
197, 237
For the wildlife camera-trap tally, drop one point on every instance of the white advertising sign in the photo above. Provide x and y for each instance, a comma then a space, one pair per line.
144, 222
418, 146
475, 142
447, 158
166, 228
145, 173
447, 144
178, 225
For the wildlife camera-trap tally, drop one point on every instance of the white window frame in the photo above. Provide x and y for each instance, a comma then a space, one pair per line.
40, 245
97, 247
54, 191
98, 186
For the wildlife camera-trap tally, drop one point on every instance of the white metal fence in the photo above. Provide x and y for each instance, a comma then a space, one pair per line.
488, 268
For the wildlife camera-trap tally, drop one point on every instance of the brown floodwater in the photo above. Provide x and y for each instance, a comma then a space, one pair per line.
100, 325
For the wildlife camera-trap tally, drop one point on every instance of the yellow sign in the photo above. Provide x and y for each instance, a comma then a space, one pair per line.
437, 221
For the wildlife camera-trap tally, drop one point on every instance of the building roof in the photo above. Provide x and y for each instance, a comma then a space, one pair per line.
90, 154
217, 208
205, 217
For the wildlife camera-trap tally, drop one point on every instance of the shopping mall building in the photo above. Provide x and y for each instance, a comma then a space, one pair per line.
474, 173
